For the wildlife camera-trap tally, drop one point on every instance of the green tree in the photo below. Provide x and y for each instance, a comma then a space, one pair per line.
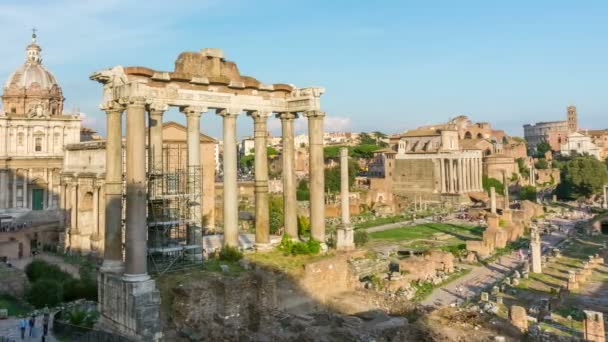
582, 176
272, 152
489, 182
528, 193
333, 152
542, 164
45, 292
302, 191
366, 139
247, 161
332, 176
275, 207
542, 148
365, 151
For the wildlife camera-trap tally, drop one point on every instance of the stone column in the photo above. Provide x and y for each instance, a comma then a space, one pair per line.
605, 204
74, 208
96, 211
3, 189
49, 193
155, 136
535, 250
260, 132
442, 174
290, 204
493, 200
505, 182
317, 175
459, 164
345, 235
26, 178
452, 176
112, 257
193, 123
15, 178
136, 229
231, 209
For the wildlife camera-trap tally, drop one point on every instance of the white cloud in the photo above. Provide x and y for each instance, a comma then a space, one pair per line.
338, 124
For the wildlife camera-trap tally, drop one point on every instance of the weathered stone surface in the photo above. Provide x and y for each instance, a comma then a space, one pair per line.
12, 281
594, 327
519, 317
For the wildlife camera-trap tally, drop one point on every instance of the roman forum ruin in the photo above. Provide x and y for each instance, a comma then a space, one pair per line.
201, 81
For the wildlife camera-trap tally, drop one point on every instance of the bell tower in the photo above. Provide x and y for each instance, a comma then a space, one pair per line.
572, 119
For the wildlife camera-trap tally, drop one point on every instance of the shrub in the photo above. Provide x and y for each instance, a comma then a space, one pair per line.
528, 193
542, 164
81, 318
492, 182
361, 237
45, 292
39, 269
288, 246
303, 226
231, 254
76, 289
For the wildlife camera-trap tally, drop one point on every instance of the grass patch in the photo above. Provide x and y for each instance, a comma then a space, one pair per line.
426, 231
15, 307
215, 265
292, 264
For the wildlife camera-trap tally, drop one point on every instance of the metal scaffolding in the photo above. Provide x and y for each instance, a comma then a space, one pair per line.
174, 220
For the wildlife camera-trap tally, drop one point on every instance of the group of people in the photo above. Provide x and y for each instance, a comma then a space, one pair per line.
7, 227
25, 323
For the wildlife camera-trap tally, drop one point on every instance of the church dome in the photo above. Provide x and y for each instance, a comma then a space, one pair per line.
32, 90
30, 73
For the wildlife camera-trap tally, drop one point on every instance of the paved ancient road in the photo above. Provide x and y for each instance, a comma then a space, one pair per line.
481, 277
9, 328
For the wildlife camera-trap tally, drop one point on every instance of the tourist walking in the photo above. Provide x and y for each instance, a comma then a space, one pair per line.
32, 324
22, 327
45, 322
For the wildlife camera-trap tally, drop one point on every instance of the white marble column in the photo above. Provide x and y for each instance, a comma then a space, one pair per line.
459, 165
136, 261
155, 136
260, 132
231, 209
344, 233
193, 122
317, 175
290, 204
112, 255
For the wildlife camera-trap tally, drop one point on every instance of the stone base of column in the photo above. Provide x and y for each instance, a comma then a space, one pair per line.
129, 309
345, 238
262, 247
112, 266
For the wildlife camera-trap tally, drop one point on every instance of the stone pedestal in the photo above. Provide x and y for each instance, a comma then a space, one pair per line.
519, 317
130, 309
345, 237
594, 326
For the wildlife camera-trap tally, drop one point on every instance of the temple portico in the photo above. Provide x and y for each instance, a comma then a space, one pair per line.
201, 81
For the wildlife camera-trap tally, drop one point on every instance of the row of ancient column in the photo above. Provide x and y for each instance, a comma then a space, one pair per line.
8, 193
460, 175
135, 266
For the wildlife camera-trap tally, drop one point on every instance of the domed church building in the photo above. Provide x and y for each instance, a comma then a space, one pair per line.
33, 133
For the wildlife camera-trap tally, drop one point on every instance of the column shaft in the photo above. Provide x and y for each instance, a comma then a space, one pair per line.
231, 213
195, 176
136, 228
155, 137
344, 189
112, 255
442, 174
317, 175
262, 228
290, 209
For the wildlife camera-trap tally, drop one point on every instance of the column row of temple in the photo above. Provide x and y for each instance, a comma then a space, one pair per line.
460, 175
11, 181
135, 268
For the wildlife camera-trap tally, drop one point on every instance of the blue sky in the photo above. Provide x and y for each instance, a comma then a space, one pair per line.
386, 65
